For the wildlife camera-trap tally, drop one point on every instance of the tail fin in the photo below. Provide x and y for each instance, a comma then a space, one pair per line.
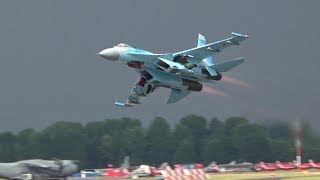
201, 40
207, 62
163, 166
126, 162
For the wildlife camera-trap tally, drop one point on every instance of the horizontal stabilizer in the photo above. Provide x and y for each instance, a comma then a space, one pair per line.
176, 95
226, 66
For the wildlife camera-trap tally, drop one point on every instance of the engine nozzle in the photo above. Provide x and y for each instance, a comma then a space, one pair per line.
192, 85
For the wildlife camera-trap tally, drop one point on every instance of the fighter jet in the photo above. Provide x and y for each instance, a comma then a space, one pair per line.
182, 72
38, 168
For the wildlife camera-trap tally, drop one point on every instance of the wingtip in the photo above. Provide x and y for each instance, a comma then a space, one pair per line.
240, 35
123, 104
241, 59
120, 104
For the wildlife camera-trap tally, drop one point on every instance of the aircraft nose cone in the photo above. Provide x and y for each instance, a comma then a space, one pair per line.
110, 54
69, 170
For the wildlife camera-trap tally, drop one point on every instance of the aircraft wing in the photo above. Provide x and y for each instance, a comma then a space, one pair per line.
139, 91
35, 167
197, 54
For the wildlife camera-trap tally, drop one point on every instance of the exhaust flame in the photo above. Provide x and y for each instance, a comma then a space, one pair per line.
214, 91
235, 81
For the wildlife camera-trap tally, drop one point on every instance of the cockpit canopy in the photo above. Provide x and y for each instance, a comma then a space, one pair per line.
122, 45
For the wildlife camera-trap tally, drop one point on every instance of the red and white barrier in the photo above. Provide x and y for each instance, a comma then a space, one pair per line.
183, 174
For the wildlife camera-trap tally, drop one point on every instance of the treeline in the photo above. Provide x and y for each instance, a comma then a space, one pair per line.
193, 139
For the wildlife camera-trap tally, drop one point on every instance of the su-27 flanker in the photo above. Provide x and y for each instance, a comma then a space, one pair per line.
182, 72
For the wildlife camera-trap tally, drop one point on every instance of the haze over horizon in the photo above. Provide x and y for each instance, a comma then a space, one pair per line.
50, 70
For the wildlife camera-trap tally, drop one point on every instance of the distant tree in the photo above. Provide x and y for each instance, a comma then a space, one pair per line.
65, 140
7, 147
281, 150
216, 128
251, 142
118, 135
214, 147
193, 128
159, 146
134, 145
232, 123
93, 156
310, 143
280, 138
229, 144
193, 140
214, 150
106, 150
185, 152
96, 129
279, 130
311, 151
27, 146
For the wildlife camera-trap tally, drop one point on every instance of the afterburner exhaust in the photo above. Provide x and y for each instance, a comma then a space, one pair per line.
235, 81
211, 90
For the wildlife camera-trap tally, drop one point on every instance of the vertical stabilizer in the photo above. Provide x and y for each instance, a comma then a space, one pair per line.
126, 162
207, 62
201, 40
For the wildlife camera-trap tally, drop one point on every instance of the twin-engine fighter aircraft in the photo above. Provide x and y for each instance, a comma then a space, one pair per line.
38, 168
182, 72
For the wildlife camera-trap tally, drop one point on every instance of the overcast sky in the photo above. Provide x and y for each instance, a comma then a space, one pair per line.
50, 70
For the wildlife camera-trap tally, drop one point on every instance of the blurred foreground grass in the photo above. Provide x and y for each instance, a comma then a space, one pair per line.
300, 175
270, 175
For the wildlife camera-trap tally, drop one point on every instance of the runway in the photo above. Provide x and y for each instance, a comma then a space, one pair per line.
266, 175
102, 178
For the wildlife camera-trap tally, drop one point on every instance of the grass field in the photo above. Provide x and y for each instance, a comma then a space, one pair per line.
300, 175
270, 175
